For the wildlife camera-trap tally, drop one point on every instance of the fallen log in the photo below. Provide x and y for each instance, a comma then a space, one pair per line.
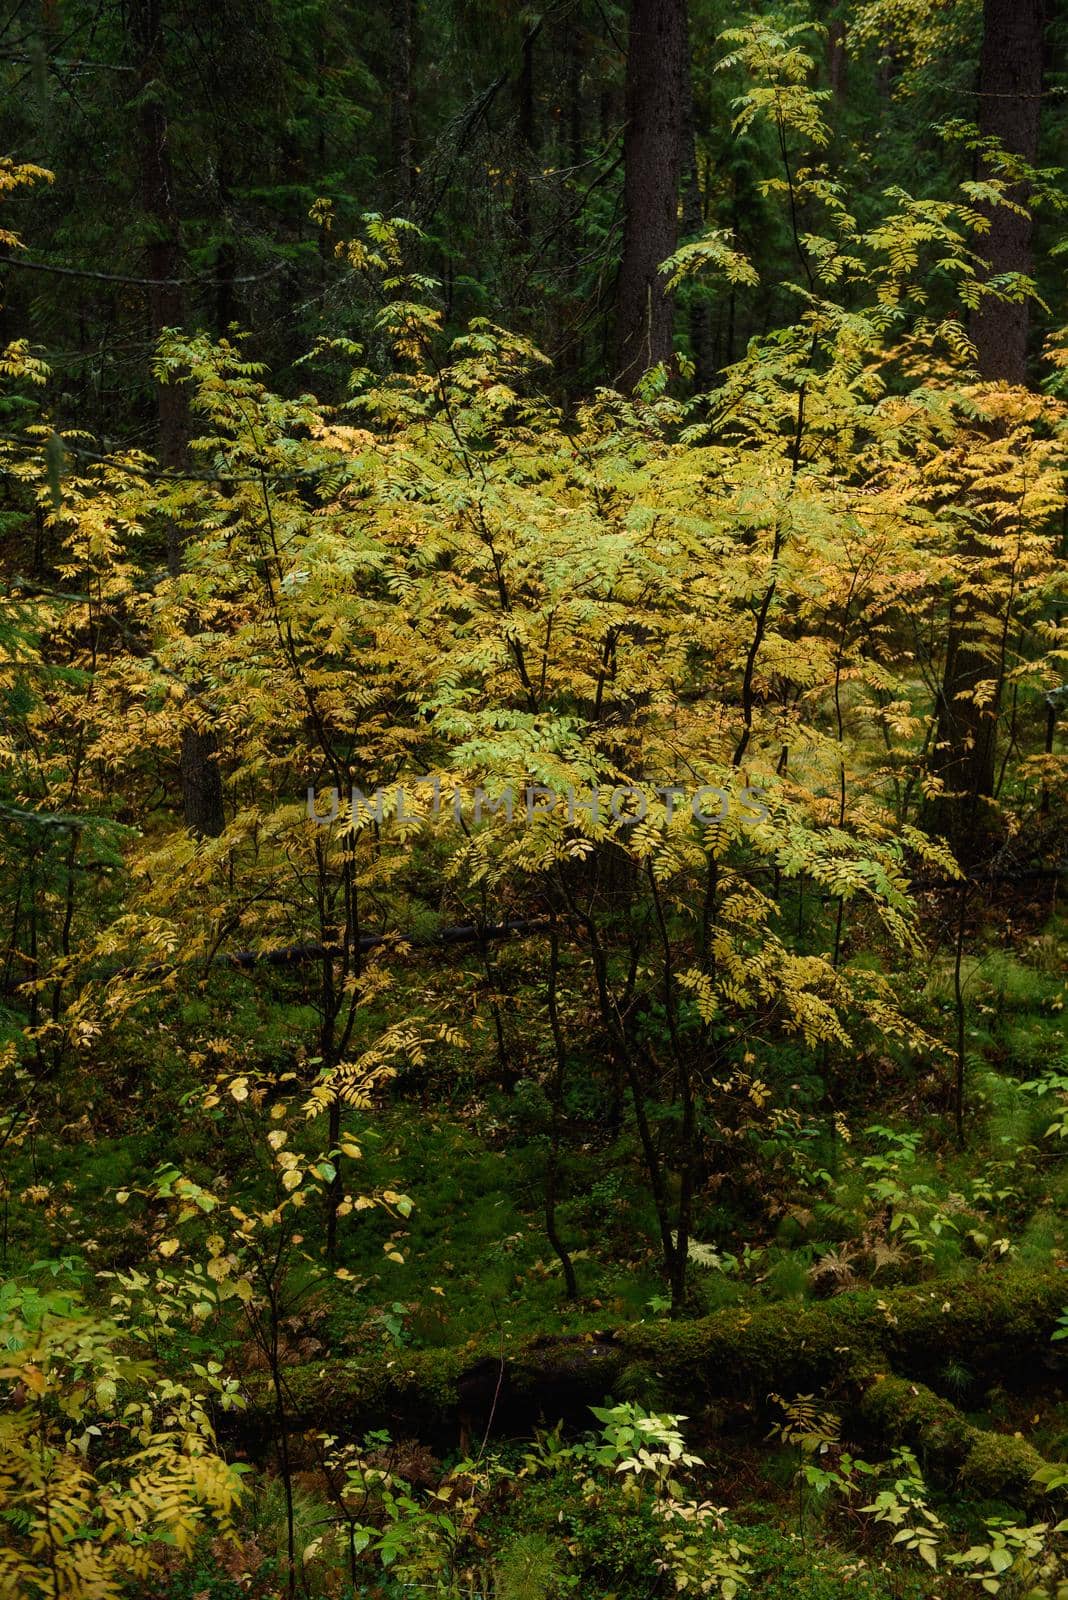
986, 1465
876, 1357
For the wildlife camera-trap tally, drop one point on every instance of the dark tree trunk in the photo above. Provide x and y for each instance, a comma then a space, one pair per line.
225, 257
401, 22
653, 141
521, 204
1010, 97
202, 796
837, 59
162, 252
1010, 91
575, 63
202, 800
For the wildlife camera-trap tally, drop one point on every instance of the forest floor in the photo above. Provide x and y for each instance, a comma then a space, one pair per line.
867, 1206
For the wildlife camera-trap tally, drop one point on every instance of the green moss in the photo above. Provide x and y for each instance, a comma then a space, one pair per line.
904, 1413
413, 1393
995, 1323
1000, 1466
988, 1466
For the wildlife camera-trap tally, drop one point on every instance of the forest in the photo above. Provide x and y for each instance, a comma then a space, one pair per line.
533, 799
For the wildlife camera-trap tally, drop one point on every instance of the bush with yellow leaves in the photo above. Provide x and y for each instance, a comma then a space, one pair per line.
104, 1463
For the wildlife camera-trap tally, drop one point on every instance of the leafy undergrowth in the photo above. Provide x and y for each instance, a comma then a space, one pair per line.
806, 1204
630, 1511
824, 1185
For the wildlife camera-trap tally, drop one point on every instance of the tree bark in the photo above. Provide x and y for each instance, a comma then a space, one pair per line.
162, 250
401, 23
1010, 97
526, 138
201, 786
653, 141
576, 140
837, 59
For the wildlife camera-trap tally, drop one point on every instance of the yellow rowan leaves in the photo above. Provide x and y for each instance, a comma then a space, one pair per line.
91, 1523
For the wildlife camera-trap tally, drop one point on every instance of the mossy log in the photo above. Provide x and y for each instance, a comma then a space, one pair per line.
986, 1465
868, 1352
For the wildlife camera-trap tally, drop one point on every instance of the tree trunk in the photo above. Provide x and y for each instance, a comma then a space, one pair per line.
521, 201
837, 60
400, 99
576, 140
1010, 90
225, 255
202, 800
653, 141
162, 251
1010, 97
